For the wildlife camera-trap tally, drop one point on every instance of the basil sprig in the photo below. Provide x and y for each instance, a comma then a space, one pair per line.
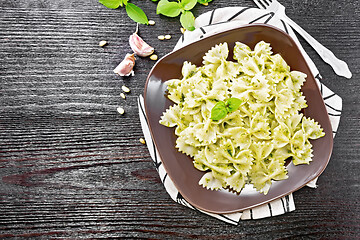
221, 109
164, 7
174, 9
133, 11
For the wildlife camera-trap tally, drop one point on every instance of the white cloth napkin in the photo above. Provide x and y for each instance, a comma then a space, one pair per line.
216, 21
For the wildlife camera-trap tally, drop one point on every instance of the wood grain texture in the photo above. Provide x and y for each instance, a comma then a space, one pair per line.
72, 167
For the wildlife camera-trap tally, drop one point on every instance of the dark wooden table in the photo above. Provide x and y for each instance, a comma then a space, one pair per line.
72, 167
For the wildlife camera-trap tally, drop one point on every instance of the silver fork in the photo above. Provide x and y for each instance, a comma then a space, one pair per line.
340, 67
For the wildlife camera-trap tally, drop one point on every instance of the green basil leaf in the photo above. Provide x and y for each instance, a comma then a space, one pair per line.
232, 104
111, 3
188, 4
169, 9
136, 13
218, 111
187, 20
204, 1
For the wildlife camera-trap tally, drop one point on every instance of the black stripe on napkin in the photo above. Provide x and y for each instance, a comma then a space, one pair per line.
287, 199
157, 163
318, 77
332, 107
270, 209
282, 201
179, 198
203, 31
267, 20
321, 89
163, 180
238, 14
212, 16
330, 96
227, 218
285, 27
270, 17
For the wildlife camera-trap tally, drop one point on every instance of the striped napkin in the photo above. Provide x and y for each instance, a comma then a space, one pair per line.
213, 22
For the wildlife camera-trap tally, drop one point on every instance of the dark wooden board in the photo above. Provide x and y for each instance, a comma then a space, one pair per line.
72, 167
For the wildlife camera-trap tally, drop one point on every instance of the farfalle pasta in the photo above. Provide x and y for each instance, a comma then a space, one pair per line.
251, 144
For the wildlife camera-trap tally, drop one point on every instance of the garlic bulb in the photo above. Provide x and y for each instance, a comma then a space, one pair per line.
125, 68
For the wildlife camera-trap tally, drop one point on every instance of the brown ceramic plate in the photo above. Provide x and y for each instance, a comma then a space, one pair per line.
180, 167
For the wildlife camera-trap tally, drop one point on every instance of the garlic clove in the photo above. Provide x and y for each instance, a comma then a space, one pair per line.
139, 46
125, 68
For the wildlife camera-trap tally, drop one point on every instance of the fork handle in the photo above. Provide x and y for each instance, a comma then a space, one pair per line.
340, 67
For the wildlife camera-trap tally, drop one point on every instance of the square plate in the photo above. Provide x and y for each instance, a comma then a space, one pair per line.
180, 167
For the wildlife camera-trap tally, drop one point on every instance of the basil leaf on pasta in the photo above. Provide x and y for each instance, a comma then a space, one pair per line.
218, 111
232, 104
